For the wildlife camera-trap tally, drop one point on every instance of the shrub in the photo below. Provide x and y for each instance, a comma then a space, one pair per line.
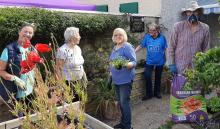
52, 22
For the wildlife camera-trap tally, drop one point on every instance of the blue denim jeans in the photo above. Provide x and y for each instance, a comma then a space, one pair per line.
123, 93
148, 77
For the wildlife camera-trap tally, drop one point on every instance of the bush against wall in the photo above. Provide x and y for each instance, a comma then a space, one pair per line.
52, 22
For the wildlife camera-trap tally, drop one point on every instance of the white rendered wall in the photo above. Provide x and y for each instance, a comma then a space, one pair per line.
146, 7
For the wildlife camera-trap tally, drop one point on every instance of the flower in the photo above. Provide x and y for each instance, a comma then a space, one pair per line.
34, 57
26, 44
26, 66
43, 47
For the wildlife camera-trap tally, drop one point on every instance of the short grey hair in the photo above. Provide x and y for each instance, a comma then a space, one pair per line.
121, 31
153, 26
70, 32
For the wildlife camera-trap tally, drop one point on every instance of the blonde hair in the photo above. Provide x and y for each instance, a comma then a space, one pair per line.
121, 31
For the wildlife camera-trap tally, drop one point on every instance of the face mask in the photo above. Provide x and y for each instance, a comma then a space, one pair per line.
193, 19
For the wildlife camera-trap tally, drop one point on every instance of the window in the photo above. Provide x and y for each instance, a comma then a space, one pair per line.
102, 8
129, 7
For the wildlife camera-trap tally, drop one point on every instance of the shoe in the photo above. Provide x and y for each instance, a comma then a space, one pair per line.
158, 96
146, 98
119, 126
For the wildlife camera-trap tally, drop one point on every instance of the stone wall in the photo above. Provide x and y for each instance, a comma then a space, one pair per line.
138, 89
106, 39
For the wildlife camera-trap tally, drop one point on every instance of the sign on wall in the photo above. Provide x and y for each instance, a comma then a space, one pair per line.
136, 24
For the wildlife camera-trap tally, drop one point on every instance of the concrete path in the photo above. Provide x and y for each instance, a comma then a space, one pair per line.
149, 114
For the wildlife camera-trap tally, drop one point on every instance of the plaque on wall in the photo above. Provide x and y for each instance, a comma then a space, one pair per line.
136, 24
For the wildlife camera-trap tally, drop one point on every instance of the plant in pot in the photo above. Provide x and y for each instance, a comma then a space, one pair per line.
119, 63
107, 106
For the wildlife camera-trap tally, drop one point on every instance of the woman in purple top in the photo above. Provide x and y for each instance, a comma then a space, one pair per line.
123, 78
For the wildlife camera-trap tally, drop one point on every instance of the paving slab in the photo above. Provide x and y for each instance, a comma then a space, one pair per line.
149, 114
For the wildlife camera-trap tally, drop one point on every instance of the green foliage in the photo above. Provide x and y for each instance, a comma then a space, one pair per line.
141, 63
103, 94
119, 62
168, 125
133, 39
52, 22
206, 72
214, 104
96, 61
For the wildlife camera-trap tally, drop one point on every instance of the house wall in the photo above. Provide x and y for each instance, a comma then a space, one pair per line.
171, 13
146, 7
213, 22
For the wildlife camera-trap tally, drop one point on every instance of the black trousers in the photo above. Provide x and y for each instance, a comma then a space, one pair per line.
148, 76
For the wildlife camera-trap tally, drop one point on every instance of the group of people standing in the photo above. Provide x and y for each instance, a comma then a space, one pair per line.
188, 37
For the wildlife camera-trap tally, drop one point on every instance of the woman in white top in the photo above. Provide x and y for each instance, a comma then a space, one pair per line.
69, 60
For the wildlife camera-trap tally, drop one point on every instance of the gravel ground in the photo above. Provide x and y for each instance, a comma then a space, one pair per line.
149, 114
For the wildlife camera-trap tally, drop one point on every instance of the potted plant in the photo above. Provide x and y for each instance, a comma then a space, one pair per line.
107, 106
119, 62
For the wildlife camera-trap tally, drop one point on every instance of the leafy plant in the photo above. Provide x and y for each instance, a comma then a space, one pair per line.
206, 74
119, 62
97, 68
167, 125
214, 104
50, 93
133, 39
104, 94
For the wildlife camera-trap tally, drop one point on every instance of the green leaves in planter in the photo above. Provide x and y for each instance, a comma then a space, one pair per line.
119, 62
214, 104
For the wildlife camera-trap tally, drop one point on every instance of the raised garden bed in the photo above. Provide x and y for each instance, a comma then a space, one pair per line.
89, 120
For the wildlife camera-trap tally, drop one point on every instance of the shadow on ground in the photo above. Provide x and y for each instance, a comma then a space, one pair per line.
149, 114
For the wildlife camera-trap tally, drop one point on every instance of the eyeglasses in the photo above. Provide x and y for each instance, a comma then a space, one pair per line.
152, 30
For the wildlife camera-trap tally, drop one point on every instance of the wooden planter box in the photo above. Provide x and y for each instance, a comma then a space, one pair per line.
91, 121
